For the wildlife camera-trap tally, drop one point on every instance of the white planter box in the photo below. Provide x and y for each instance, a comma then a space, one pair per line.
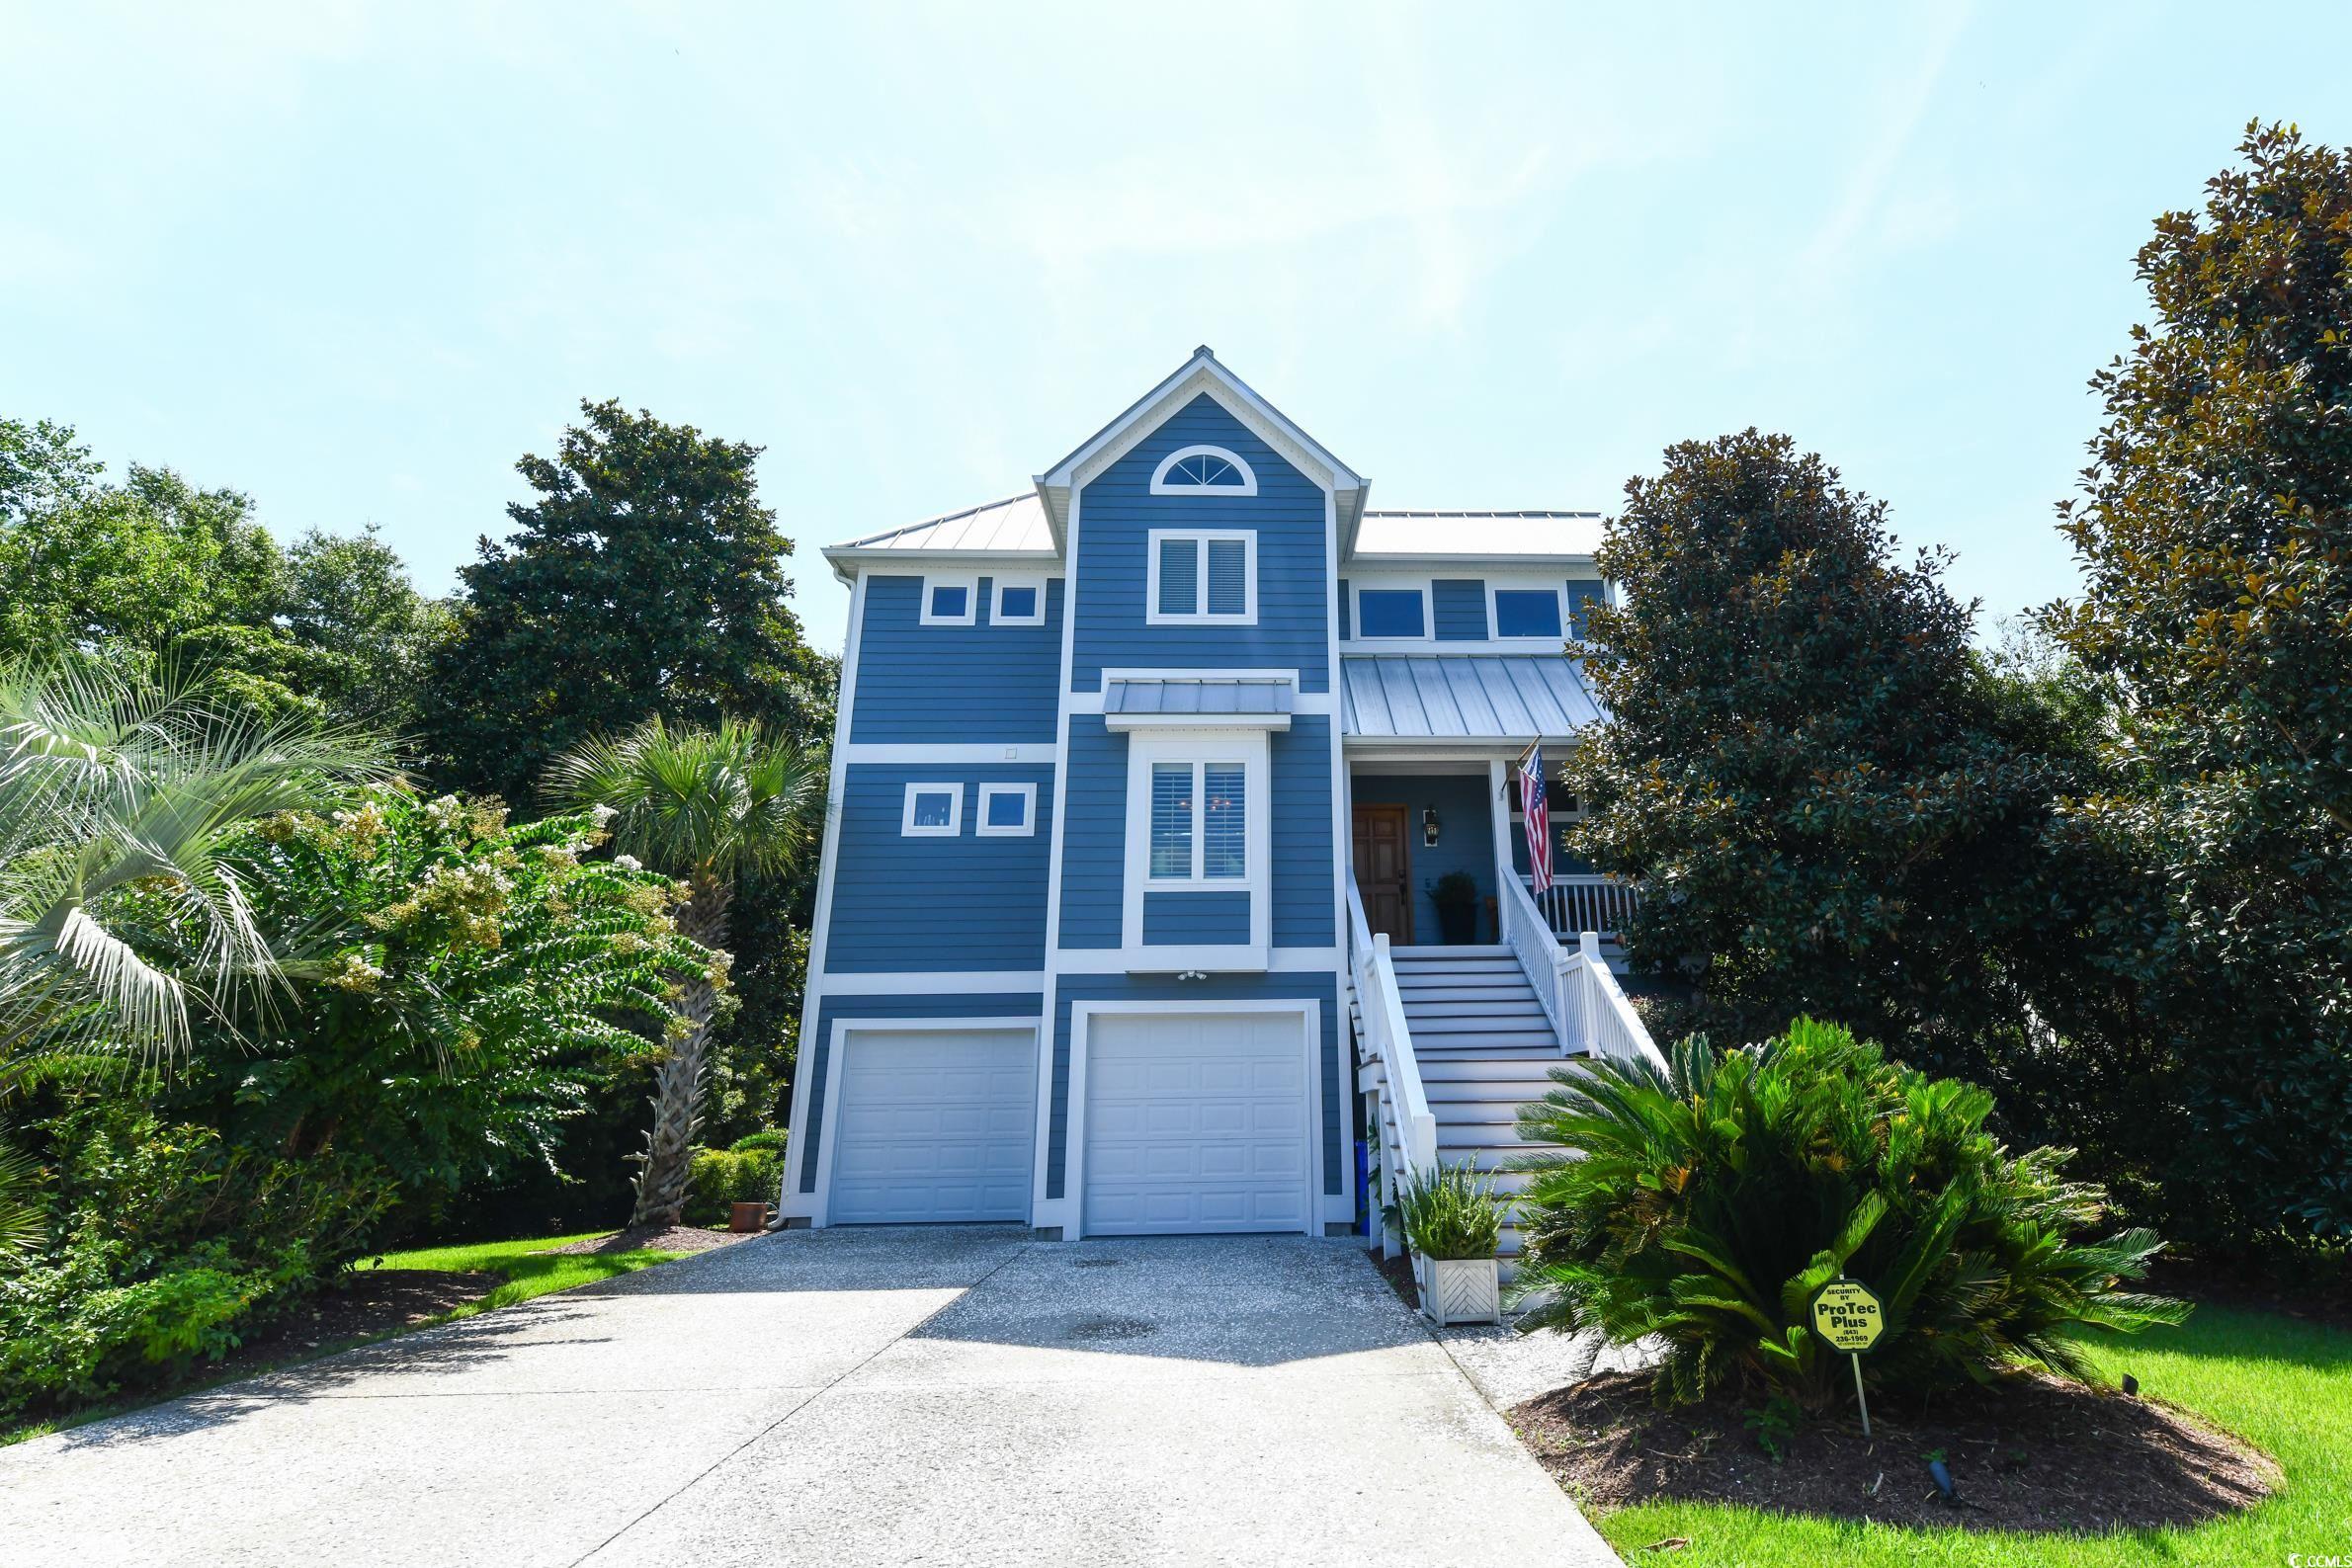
1459, 1289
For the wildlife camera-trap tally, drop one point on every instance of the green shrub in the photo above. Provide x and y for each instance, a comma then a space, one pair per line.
161, 1245
721, 1178
1450, 1212
765, 1138
1706, 1206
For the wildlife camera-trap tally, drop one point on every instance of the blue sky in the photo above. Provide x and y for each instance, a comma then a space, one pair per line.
356, 260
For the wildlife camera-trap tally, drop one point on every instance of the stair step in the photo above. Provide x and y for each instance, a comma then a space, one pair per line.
1438, 993
1473, 1068
1437, 952
1458, 1018
1494, 1041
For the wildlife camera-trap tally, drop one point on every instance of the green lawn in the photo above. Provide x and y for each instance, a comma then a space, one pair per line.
527, 1265
2283, 1385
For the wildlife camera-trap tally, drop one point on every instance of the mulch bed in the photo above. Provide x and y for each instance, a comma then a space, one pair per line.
677, 1238
2037, 1454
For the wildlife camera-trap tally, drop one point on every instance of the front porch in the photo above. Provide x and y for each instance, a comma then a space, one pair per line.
1432, 840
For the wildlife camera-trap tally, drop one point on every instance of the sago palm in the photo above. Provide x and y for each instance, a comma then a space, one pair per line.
708, 805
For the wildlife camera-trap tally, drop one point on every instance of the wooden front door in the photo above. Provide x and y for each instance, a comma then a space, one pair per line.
1385, 870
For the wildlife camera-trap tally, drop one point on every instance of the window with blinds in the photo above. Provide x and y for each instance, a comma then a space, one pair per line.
1172, 819
1222, 838
1204, 576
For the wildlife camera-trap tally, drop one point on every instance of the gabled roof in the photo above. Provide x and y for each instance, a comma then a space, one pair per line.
1202, 373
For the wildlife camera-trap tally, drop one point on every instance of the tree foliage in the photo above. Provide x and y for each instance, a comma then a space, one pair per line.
2215, 536
1832, 808
645, 579
1706, 1205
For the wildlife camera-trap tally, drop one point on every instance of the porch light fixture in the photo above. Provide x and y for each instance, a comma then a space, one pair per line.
1429, 825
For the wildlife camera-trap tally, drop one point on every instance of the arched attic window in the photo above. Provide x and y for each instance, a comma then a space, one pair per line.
1203, 470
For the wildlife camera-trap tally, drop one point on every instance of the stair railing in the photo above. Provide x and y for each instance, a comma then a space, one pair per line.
1579, 993
1386, 1039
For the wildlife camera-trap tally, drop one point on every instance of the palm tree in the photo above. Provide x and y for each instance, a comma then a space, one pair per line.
709, 805
119, 912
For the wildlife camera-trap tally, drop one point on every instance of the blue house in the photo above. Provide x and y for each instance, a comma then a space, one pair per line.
1149, 786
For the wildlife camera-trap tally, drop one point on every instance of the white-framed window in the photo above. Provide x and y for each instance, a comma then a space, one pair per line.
1200, 577
1204, 470
950, 600
1395, 612
1526, 614
1019, 602
1199, 820
1199, 823
932, 811
1007, 811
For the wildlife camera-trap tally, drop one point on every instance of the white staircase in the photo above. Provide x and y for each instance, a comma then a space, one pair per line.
1450, 1042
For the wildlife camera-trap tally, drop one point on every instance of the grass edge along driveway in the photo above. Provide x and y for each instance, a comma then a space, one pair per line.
2283, 1384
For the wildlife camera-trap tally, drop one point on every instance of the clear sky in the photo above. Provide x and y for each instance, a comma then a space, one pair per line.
356, 260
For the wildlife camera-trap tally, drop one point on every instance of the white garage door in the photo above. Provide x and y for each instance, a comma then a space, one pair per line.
935, 1126
1194, 1122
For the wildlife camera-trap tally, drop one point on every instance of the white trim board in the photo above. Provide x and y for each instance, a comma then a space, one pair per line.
878, 752
927, 982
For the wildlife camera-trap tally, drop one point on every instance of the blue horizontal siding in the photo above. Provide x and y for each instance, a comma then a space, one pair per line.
1188, 917
926, 905
952, 684
1117, 510
1347, 613
1094, 835
1321, 986
1028, 1005
1461, 608
1304, 852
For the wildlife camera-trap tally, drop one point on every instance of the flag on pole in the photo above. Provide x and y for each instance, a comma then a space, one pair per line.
1539, 819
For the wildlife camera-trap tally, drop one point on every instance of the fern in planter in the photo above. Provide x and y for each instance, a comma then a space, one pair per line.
1450, 1212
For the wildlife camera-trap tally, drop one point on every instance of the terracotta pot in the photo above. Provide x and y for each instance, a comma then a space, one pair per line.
747, 1218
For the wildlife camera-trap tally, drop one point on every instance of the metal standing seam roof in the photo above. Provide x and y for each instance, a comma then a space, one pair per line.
1463, 696
1208, 695
1017, 523
1419, 535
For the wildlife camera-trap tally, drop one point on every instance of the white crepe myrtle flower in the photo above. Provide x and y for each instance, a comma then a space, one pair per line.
629, 862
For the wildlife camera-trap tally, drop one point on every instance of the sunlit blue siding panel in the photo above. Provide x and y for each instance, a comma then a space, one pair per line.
1460, 604
1094, 836
924, 905
1304, 849
952, 684
1189, 917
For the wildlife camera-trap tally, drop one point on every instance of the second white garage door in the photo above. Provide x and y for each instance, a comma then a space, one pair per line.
935, 1126
1194, 1122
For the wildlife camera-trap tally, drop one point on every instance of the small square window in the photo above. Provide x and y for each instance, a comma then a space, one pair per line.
1391, 613
949, 602
932, 811
1008, 811
1018, 603
1527, 612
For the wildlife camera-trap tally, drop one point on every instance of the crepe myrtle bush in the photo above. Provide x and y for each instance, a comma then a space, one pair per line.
1706, 1203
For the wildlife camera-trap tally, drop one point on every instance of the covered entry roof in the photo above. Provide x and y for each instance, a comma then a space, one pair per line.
1513, 697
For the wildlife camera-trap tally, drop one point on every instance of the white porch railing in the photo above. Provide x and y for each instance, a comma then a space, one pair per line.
1403, 1123
1572, 905
1588, 1009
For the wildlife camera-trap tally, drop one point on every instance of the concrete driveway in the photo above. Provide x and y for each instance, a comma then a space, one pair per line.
947, 1395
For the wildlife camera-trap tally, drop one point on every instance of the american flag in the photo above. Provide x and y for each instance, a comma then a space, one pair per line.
1538, 820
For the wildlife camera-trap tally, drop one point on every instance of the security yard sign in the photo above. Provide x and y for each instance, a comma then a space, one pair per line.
1848, 1315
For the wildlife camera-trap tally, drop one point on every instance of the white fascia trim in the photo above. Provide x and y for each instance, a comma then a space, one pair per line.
1040, 1207
1035, 752
953, 789
969, 582
1494, 619
1122, 961
1069, 1212
1121, 723
1252, 749
1153, 616
820, 1209
997, 614
1343, 838
1161, 486
930, 982
1200, 373
1028, 826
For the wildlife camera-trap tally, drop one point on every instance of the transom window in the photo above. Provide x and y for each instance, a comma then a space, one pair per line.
1391, 612
1204, 470
950, 601
1527, 612
1198, 821
1205, 577
932, 811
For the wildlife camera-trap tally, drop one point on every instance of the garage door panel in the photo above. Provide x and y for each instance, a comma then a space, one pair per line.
934, 1125
1196, 1123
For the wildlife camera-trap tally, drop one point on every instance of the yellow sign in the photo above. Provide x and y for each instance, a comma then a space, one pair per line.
1848, 1317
